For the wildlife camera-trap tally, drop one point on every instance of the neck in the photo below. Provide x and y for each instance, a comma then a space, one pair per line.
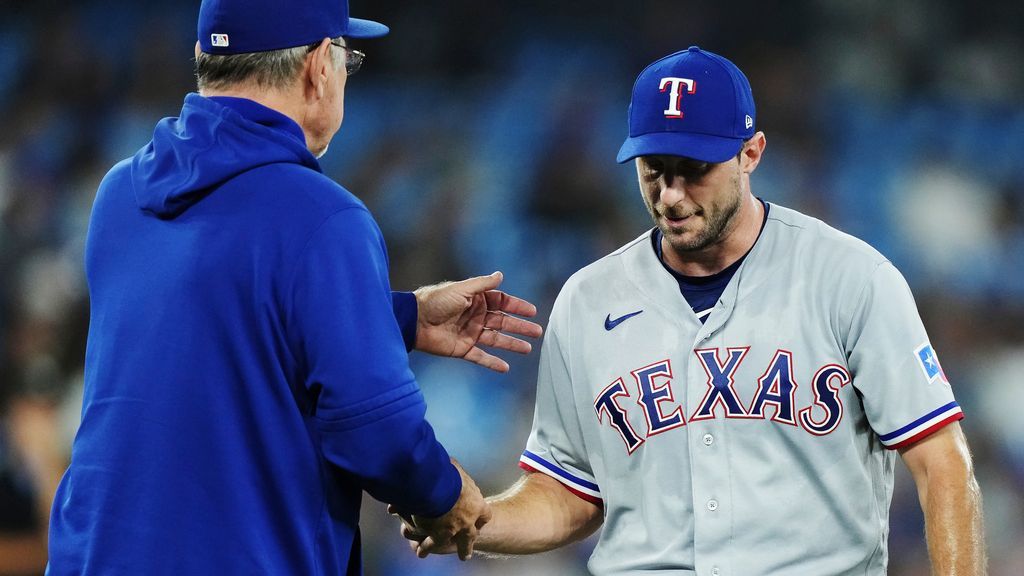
736, 240
276, 100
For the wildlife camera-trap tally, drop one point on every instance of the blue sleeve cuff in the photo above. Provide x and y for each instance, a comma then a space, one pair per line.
404, 306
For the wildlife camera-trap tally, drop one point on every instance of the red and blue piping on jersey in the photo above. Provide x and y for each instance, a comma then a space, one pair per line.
578, 486
923, 426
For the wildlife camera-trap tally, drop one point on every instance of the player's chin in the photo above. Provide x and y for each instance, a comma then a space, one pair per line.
685, 240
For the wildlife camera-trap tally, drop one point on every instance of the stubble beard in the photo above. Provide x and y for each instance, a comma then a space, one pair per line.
719, 219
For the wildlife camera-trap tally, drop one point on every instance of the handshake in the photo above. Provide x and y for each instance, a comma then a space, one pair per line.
456, 531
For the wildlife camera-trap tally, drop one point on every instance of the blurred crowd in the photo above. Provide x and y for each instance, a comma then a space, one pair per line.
483, 137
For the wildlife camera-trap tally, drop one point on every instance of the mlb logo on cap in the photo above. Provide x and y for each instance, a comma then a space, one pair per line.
263, 25
694, 104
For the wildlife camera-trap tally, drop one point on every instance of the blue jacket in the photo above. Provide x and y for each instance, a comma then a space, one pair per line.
245, 377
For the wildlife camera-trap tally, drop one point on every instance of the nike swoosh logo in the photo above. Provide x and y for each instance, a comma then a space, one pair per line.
610, 324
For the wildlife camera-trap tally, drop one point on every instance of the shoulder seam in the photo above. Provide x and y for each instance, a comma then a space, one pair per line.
784, 223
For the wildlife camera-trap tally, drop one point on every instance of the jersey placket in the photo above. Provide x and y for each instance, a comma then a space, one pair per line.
711, 470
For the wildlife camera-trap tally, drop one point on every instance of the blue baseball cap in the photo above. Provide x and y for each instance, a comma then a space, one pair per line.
242, 26
693, 104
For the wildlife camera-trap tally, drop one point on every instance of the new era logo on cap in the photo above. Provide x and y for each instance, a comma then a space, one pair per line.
693, 104
219, 40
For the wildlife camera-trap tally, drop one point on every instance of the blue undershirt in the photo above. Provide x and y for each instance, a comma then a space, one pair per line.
703, 292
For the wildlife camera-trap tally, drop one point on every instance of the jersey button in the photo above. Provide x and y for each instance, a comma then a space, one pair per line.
712, 505
709, 439
715, 571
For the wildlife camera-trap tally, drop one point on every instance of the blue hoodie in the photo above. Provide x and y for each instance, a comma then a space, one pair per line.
245, 377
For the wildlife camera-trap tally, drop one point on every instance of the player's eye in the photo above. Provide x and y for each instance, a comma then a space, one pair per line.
654, 170
693, 171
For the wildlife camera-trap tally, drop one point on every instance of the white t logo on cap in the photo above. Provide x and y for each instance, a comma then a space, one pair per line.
675, 98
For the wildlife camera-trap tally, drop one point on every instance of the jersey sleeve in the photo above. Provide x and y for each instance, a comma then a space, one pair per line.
905, 392
556, 445
369, 414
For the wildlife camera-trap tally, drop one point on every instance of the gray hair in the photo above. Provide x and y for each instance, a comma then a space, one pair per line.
267, 70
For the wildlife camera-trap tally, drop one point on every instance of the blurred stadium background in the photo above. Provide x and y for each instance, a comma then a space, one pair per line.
483, 136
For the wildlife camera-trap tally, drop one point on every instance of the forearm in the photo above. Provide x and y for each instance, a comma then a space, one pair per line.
951, 500
953, 524
537, 514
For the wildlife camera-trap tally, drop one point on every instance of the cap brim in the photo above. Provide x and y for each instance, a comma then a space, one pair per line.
701, 147
359, 28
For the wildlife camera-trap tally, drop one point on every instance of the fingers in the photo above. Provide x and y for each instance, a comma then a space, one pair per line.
406, 517
491, 362
457, 530
496, 339
412, 534
500, 301
481, 283
424, 547
464, 544
512, 325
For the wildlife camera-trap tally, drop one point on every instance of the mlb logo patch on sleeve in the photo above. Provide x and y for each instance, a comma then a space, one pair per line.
930, 363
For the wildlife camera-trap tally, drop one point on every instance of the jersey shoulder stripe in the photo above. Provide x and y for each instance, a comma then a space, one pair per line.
923, 426
578, 486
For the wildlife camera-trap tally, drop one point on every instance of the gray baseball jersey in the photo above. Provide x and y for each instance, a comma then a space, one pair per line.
759, 442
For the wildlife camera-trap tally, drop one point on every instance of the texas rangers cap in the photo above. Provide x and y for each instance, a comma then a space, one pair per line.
242, 26
693, 104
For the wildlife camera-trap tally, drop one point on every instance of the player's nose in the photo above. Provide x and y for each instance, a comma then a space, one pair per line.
672, 190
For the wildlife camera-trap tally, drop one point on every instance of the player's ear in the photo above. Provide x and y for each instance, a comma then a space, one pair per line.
316, 72
750, 155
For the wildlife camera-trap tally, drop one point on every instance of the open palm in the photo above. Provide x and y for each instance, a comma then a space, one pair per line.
456, 318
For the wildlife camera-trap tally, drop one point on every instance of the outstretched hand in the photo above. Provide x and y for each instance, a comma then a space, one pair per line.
456, 318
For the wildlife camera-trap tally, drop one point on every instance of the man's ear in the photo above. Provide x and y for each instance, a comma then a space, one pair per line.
751, 154
317, 63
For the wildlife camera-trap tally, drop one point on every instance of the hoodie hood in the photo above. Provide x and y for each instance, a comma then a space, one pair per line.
211, 142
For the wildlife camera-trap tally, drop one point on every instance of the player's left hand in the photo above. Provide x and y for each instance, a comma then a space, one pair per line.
456, 318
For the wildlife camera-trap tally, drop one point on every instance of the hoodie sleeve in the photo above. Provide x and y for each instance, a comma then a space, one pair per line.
370, 413
406, 309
